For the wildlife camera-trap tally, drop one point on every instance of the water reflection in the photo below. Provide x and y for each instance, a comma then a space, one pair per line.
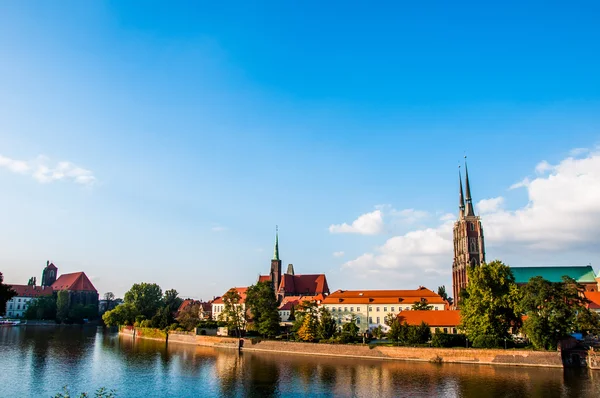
39, 361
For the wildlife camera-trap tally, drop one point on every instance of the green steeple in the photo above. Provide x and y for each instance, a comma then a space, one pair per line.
276, 251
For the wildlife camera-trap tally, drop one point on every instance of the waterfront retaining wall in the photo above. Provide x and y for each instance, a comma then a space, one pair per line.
438, 355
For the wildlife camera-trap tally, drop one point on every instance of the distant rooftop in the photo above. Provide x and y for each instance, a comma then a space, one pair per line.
581, 273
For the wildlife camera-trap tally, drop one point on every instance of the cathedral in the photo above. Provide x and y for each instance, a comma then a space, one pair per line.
291, 284
469, 247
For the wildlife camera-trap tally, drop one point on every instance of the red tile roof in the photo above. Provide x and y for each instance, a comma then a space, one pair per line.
31, 291
594, 298
291, 301
264, 278
77, 281
450, 318
304, 284
241, 290
206, 307
384, 296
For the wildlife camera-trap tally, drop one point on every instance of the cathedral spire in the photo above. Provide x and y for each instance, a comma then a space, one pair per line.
461, 198
469, 201
276, 250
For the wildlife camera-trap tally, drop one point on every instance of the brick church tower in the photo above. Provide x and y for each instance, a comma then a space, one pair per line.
275, 273
469, 247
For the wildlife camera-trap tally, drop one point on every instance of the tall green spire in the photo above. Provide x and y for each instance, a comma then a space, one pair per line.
276, 251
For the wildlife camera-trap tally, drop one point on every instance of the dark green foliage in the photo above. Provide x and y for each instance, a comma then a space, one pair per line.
490, 303
42, 308
418, 334
163, 318
327, 327
442, 292
262, 303
349, 332
146, 298
487, 341
189, 317
552, 310
378, 332
422, 306
292, 316
446, 340
397, 331
172, 300
62, 306
78, 313
6, 293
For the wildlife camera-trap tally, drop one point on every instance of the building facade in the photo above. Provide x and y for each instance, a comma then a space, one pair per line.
16, 307
370, 307
469, 244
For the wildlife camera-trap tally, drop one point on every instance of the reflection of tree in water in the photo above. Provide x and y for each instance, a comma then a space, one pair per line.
228, 367
261, 378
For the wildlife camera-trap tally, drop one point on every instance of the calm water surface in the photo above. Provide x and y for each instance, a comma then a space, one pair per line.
39, 361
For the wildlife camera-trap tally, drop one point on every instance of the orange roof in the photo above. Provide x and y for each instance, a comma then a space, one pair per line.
242, 292
291, 301
304, 284
383, 296
77, 281
449, 318
594, 298
188, 302
31, 291
264, 278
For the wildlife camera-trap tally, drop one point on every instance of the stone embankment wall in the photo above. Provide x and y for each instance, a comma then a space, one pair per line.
438, 355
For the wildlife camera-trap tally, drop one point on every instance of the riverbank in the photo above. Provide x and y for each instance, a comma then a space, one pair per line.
437, 355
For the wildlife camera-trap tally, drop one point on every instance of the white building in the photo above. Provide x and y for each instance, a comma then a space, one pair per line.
370, 307
16, 307
218, 305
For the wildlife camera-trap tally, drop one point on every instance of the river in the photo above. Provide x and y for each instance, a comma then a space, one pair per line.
38, 361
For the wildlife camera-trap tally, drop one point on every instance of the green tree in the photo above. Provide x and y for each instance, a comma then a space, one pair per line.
42, 308
172, 300
418, 334
490, 303
422, 306
551, 310
262, 305
146, 298
62, 306
189, 317
443, 294
6, 293
349, 331
163, 318
292, 316
327, 327
123, 314
378, 332
587, 321
234, 313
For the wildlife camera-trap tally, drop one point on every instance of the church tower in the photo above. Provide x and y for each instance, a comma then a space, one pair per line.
469, 247
276, 264
49, 274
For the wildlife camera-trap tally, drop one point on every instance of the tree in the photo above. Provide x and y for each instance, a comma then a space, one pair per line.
443, 294
397, 330
6, 293
146, 298
327, 327
62, 306
552, 310
189, 317
172, 300
587, 321
349, 331
421, 306
233, 311
263, 307
292, 316
109, 297
418, 334
490, 302
42, 308
123, 314
306, 321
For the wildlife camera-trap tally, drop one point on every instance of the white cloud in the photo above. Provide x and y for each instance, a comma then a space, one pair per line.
42, 170
367, 224
524, 183
448, 217
575, 152
486, 206
409, 216
338, 254
543, 167
218, 228
562, 215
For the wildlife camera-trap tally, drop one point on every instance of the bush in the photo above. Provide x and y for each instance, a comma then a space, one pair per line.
486, 341
146, 323
446, 340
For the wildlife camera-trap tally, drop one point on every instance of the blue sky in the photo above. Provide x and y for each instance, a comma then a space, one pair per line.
192, 129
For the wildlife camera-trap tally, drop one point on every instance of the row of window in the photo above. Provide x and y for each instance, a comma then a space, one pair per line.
10, 306
377, 309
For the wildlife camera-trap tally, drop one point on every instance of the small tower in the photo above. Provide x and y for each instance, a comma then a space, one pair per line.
49, 274
275, 273
469, 247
